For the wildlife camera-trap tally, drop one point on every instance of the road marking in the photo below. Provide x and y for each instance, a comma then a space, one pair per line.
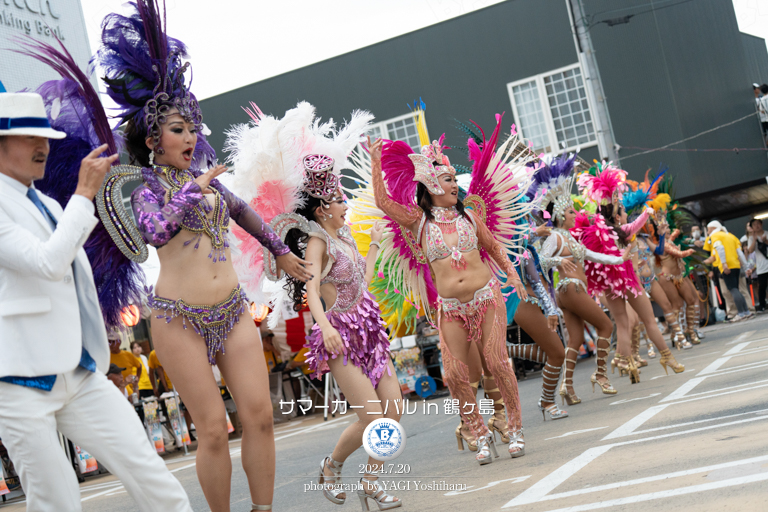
184, 467
684, 389
310, 429
574, 432
655, 478
633, 399
740, 337
630, 426
102, 493
759, 477
488, 486
696, 422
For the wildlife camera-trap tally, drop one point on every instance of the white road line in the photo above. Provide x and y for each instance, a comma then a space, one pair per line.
184, 467
575, 432
727, 388
719, 394
310, 429
683, 390
759, 477
631, 425
633, 399
740, 337
547, 484
738, 348
488, 485
677, 425
655, 478
102, 493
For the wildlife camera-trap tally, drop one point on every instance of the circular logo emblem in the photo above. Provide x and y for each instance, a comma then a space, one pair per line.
384, 439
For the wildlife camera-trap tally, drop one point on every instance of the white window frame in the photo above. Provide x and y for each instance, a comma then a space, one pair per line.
548, 121
382, 125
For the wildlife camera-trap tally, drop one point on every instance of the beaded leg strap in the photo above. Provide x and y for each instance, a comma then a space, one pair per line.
568, 378
549, 377
529, 352
602, 360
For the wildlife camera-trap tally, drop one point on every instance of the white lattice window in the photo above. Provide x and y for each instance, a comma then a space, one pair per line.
552, 111
399, 128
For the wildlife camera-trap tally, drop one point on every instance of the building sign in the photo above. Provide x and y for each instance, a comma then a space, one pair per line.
43, 20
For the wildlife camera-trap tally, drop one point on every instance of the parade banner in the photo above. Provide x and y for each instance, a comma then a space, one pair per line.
152, 422
86, 461
3, 487
178, 423
409, 366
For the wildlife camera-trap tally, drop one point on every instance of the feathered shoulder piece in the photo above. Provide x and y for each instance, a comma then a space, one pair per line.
74, 107
603, 184
399, 171
144, 74
553, 182
501, 177
276, 161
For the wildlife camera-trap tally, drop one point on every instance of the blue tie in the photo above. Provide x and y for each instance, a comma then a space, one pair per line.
46, 382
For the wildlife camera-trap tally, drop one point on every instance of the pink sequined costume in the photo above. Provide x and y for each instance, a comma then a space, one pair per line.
355, 313
596, 235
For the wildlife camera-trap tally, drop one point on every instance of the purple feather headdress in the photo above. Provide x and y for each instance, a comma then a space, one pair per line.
73, 107
145, 75
554, 182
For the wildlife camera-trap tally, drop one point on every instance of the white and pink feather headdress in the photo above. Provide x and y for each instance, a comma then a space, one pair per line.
426, 172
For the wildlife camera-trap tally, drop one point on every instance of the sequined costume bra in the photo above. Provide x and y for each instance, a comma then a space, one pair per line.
347, 274
550, 254
450, 221
159, 220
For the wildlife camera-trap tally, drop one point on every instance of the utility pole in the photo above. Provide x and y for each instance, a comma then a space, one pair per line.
606, 142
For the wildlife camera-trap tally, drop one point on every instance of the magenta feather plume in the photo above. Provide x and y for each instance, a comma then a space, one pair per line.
399, 172
601, 187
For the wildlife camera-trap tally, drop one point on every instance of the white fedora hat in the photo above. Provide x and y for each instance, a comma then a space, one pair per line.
23, 113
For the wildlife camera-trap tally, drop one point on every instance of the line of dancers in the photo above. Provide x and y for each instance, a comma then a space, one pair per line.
514, 248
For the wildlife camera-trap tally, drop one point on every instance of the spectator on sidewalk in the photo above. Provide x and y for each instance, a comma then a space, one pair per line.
115, 374
725, 250
762, 109
758, 245
146, 387
157, 375
127, 360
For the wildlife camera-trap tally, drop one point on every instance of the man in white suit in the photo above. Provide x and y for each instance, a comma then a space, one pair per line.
53, 343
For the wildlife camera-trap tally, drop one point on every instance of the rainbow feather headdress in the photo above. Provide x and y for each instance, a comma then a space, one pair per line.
603, 184
553, 182
645, 193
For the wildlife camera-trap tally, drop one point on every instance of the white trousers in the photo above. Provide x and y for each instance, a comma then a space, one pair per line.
89, 410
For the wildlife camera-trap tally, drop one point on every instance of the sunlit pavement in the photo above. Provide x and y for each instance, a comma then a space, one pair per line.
690, 441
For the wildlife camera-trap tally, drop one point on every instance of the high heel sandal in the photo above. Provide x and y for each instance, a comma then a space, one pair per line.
330, 489
626, 365
602, 369
486, 450
549, 377
572, 399
676, 334
497, 422
461, 437
383, 500
667, 359
691, 320
639, 362
517, 444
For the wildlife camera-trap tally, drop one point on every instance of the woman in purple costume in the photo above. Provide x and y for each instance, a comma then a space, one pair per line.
185, 213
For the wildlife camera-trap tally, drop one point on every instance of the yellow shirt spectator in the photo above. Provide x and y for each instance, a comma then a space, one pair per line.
130, 362
731, 246
154, 363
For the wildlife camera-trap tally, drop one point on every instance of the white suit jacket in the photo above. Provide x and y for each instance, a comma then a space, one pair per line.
40, 315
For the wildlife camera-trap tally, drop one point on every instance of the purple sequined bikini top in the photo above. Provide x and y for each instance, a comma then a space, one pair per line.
347, 275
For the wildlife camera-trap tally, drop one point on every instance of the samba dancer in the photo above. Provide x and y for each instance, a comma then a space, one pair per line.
185, 214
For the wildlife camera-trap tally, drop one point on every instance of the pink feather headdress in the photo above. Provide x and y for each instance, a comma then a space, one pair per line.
403, 168
603, 184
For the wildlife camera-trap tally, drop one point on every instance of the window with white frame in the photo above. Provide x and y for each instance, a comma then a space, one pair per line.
398, 128
552, 111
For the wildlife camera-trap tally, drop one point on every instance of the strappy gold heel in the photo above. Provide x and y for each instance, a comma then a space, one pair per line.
676, 333
571, 399
691, 321
602, 368
497, 422
639, 362
668, 360
627, 365
461, 438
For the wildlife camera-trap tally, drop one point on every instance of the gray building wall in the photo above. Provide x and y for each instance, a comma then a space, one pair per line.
756, 56
667, 75
460, 68
675, 72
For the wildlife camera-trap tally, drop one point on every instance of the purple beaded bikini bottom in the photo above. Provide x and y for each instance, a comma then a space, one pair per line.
213, 323
364, 336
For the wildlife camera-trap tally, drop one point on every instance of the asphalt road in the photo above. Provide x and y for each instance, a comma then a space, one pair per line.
691, 441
